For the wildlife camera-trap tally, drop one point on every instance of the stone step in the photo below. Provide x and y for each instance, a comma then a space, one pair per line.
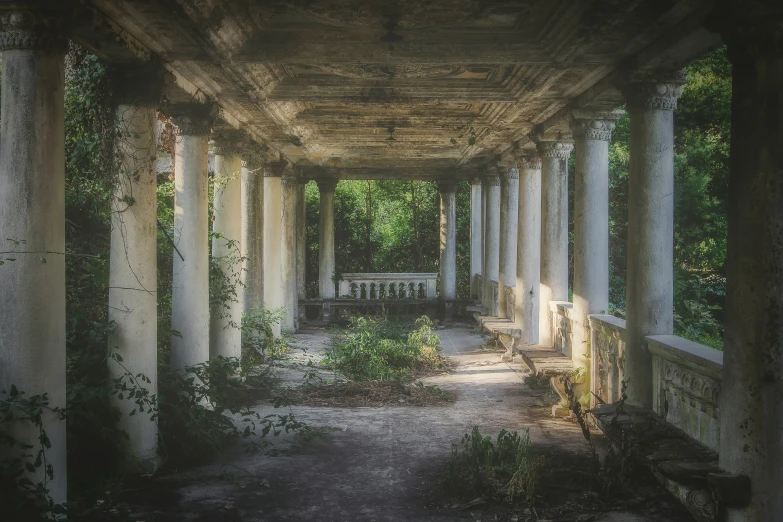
545, 360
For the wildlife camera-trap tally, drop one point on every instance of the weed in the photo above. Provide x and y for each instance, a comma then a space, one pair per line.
506, 468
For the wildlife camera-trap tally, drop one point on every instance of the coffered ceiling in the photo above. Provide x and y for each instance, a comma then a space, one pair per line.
405, 84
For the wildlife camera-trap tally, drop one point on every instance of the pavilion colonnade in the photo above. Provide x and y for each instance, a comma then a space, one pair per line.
32, 214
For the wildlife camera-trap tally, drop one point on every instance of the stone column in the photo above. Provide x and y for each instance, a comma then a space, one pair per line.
527, 291
751, 419
252, 237
273, 268
326, 263
492, 242
448, 243
301, 245
32, 224
190, 286
554, 151
592, 132
507, 264
133, 262
289, 184
476, 227
226, 301
651, 100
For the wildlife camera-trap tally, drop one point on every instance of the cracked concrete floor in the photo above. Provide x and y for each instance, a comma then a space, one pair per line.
379, 464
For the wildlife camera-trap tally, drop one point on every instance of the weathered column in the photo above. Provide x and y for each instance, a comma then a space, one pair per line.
507, 264
484, 195
326, 263
225, 334
448, 243
527, 291
301, 245
273, 268
252, 237
32, 225
751, 418
133, 262
289, 184
651, 100
492, 241
190, 285
592, 132
554, 151
476, 227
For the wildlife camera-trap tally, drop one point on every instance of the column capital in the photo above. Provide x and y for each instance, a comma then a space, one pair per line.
289, 177
529, 161
554, 145
475, 180
509, 173
327, 185
193, 119
654, 89
137, 84
594, 125
447, 186
492, 179
275, 169
32, 29
229, 142
254, 156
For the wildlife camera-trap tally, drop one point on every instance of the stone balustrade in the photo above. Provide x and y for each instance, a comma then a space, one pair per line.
389, 286
561, 326
686, 376
510, 299
607, 357
686, 386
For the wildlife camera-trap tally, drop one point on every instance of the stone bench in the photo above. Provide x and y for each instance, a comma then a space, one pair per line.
688, 469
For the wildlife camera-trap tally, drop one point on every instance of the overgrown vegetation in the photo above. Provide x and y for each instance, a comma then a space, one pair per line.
506, 468
372, 350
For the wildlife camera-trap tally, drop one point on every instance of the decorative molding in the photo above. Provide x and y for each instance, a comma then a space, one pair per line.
596, 125
32, 30
655, 90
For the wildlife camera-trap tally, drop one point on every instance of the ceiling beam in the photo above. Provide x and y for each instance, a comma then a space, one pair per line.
394, 173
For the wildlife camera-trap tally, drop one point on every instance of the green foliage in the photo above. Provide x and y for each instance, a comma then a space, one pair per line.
21, 497
370, 350
506, 467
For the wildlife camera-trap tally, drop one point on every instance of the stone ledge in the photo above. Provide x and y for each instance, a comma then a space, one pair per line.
687, 353
605, 322
686, 468
545, 360
562, 307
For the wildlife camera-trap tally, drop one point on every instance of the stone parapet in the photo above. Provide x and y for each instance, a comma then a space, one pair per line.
607, 349
561, 326
687, 385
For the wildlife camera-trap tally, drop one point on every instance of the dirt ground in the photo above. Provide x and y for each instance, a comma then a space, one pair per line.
387, 463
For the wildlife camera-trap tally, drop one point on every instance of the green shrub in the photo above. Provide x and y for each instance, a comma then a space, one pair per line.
370, 350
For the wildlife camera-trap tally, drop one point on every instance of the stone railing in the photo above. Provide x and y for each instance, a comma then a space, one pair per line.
686, 386
510, 298
389, 286
607, 352
561, 326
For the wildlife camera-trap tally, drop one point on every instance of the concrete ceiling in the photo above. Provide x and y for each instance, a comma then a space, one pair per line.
407, 84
